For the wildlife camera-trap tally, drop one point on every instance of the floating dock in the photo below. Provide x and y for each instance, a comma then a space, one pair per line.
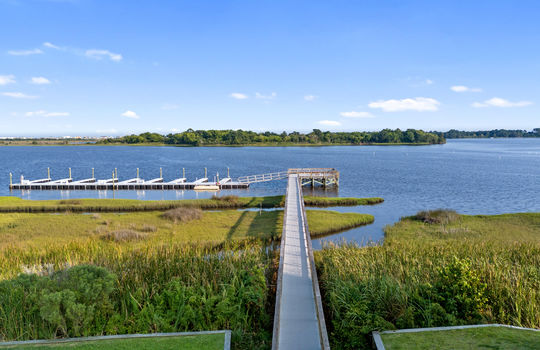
307, 176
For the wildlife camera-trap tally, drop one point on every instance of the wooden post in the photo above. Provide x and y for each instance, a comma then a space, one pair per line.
184, 173
93, 177
228, 172
49, 173
70, 173
10, 180
160, 173
137, 173
113, 180
115, 173
205, 173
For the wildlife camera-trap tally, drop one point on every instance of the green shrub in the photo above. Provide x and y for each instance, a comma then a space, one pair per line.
68, 303
460, 290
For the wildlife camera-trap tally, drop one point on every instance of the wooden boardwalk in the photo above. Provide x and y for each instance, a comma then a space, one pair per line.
299, 319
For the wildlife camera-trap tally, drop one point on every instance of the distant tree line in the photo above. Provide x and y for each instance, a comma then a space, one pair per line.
457, 134
192, 137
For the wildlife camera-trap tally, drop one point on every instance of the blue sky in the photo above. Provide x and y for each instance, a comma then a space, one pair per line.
89, 67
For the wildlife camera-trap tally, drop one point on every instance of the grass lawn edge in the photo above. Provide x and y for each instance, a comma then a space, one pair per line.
226, 333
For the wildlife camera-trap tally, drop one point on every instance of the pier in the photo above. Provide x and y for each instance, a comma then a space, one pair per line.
299, 317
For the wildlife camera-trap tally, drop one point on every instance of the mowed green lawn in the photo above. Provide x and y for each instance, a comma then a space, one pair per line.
493, 338
186, 342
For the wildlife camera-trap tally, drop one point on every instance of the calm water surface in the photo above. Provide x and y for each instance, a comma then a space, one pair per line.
490, 176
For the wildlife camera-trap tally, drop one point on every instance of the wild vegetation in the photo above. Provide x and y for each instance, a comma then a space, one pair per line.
182, 269
16, 204
192, 137
105, 289
435, 269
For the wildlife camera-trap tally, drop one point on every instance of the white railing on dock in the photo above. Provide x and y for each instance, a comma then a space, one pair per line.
263, 177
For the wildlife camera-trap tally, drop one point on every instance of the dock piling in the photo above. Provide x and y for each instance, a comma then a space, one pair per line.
93, 177
49, 173
228, 172
137, 173
161, 173
69, 173
205, 173
10, 180
183, 173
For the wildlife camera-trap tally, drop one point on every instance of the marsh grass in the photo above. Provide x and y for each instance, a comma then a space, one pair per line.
165, 288
478, 269
17, 205
325, 222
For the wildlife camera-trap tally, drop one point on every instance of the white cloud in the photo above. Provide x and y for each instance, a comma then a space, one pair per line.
100, 54
265, 97
40, 80
310, 97
43, 113
428, 82
329, 122
354, 114
419, 104
501, 102
238, 96
7, 79
463, 88
17, 95
25, 52
130, 114
51, 46
169, 107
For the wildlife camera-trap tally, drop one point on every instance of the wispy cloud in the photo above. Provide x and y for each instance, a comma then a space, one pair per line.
100, 54
310, 98
130, 114
40, 81
7, 79
265, 97
238, 96
329, 122
17, 95
463, 88
354, 114
51, 46
419, 104
501, 102
25, 52
43, 113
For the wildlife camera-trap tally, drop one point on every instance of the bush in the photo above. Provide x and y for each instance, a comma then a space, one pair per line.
125, 235
183, 214
70, 303
438, 216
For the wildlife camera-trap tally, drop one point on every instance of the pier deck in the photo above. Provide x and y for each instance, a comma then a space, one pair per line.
299, 319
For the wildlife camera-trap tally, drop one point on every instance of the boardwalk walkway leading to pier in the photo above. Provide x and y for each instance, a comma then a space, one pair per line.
299, 320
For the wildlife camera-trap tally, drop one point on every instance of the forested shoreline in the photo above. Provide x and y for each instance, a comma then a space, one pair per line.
459, 134
192, 137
